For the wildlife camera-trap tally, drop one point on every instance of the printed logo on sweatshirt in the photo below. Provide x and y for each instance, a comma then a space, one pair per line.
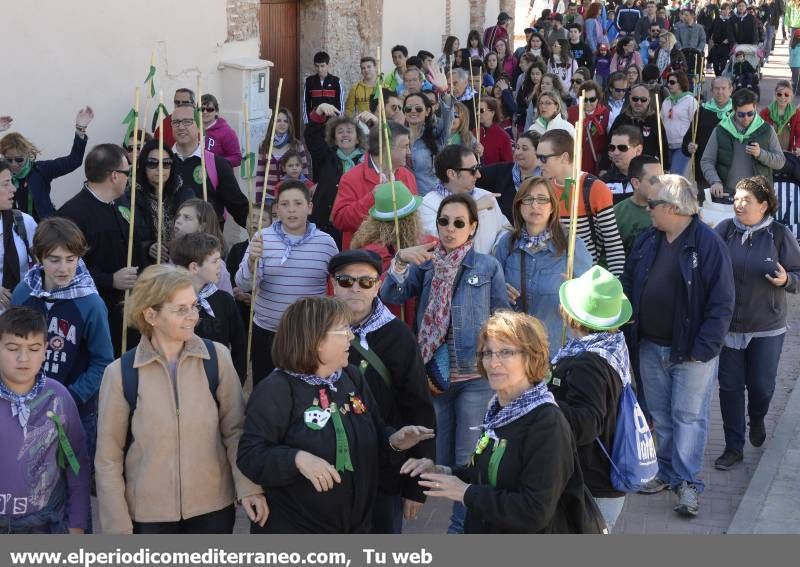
19, 506
61, 332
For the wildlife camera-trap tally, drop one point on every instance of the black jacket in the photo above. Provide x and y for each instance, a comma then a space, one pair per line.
226, 195
648, 127
407, 402
328, 171
587, 390
745, 30
497, 178
706, 122
275, 431
722, 33
539, 481
146, 218
226, 328
583, 55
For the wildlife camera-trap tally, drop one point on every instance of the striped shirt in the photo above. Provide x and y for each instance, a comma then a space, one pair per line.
304, 274
276, 171
608, 242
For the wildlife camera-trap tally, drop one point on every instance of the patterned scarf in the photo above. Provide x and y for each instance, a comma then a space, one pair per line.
721, 113
16, 178
445, 192
277, 226
379, 316
280, 140
748, 231
468, 94
497, 416
537, 240
314, 380
202, 297
436, 319
80, 286
349, 161
610, 346
516, 175
780, 120
19, 402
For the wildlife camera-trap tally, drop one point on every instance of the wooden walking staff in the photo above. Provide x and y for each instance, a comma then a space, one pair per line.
476, 105
572, 185
131, 216
250, 178
381, 108
160, 174
384, 125
257, 265
658, 127
701, 77
202, 138
450, 71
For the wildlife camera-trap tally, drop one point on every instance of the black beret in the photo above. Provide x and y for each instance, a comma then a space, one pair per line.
348, 257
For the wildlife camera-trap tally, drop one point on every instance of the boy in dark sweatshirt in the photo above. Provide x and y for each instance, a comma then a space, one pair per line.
44, 485
78, 336
580, 51
200, 253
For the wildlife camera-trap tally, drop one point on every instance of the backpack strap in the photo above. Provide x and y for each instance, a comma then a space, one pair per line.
523, 287
211, 368
22, 231
778, 234
374, 360
211, 169
588, 179
130, 389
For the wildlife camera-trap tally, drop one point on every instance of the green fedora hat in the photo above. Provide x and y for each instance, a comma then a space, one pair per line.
383, 210
596, 300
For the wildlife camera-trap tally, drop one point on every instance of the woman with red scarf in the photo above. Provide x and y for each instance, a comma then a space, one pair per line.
595, 134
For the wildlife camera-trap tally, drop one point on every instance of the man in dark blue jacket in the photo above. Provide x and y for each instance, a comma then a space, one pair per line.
680, 282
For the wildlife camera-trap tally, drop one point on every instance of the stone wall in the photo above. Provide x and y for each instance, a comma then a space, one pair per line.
242, 17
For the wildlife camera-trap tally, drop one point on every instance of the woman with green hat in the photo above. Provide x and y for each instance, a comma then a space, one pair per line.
589, 373
379, 233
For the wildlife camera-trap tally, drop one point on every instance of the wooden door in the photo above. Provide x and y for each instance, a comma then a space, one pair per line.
280, 43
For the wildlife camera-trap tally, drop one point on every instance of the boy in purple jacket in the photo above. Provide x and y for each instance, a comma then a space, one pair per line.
44, 485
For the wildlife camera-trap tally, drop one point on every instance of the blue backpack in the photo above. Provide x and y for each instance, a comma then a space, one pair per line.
633, 456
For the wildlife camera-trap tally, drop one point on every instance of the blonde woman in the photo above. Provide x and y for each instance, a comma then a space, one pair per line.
549, 116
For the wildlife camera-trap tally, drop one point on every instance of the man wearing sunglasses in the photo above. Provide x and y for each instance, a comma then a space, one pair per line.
386, 351
182, 97
742, 145
626, 144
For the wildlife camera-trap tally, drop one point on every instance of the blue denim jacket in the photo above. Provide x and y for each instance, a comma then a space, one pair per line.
480, 290
421, 157
703, 304
543, 275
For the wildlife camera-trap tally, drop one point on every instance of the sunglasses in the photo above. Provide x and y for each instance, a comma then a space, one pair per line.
125, 172
364, 282
743, 114
17, 159
784, 95
653, 203
473, 170
396, 107
408, 109
153, 163
621, 147
543, 158
640, 99
444, 222
209, 109
590, 99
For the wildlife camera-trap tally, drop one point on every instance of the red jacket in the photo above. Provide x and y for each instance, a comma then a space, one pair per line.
597, 126
496, 145
354, 197
793, 127
169, 139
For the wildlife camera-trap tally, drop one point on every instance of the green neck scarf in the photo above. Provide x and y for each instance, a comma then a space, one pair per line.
780, 120
17, 178
349, 160
455, 138
721, 113
728, 125
674, 98
544, 121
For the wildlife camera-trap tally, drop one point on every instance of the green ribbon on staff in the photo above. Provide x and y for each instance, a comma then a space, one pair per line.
248, 166
197, 116
164, 110
343, 462
378, 86
65, 452
130, 120
149, 79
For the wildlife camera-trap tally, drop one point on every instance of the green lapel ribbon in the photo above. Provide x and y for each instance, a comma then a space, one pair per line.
248, 166
65, 452
16, 178
130, 120
149, 78
728, 125
780, 120
343, 462
498, 451
164, 110
721, 113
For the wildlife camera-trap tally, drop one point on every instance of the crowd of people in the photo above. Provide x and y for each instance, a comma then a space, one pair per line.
403, 293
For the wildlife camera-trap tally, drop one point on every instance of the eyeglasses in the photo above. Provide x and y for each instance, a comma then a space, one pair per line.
538, 200
186, 310
364, 282
444, 222
209, 109
543, 158
185, 123
653, 203
125, 172
640, 99
346, 332
473, 170
590, 99
153, 163
17, 159
743, 114
503, 354
179, 103
408, 109
622, 148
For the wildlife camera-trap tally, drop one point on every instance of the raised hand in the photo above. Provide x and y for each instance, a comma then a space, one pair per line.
84, 117
416, 254
409, 436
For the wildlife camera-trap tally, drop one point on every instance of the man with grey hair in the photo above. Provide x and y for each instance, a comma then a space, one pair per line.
464, 93
680, 282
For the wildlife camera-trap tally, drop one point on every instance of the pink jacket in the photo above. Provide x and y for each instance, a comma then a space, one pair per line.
221, 140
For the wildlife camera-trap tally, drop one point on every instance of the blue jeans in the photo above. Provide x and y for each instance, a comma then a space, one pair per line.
753, 368
611, 509
678, 396
679, 162
462, 406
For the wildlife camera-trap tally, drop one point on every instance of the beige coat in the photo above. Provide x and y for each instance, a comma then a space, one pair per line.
182, 461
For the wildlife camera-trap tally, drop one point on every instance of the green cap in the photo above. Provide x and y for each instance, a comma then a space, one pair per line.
383, 210
596, 300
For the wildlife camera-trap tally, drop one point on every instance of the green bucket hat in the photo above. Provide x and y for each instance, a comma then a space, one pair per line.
383, 210
596, 300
